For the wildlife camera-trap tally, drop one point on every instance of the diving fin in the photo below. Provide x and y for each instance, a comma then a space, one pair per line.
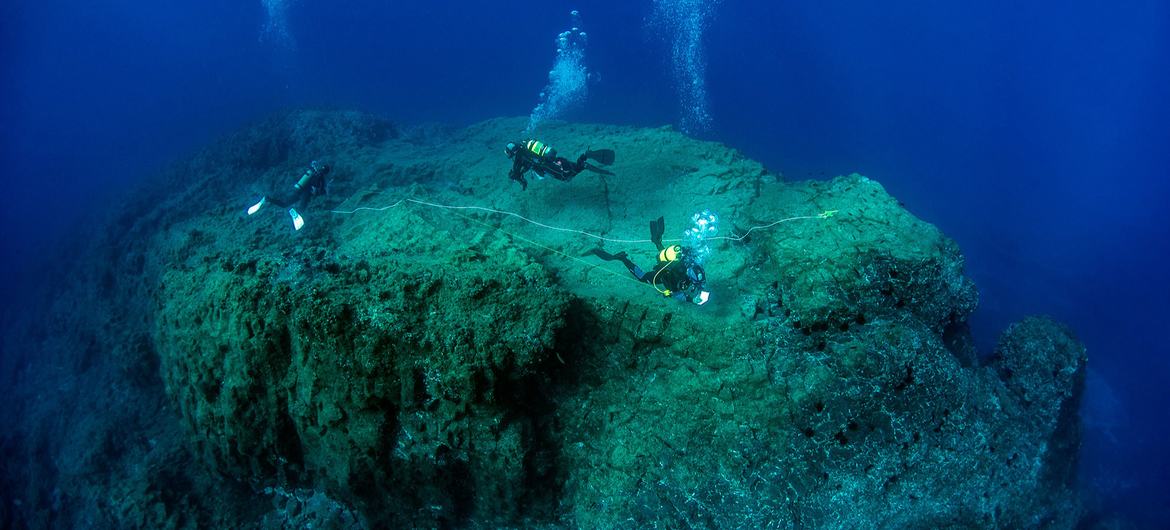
620, 256
298, 221
601, 156
606, 255
596, 169
657, 228
256, 207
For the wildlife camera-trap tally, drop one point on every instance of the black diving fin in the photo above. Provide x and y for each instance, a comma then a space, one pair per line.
601, 156
657, 228
620, 256
606, 255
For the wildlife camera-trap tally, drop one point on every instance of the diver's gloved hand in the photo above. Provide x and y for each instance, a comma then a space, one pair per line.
701, 298
519, 178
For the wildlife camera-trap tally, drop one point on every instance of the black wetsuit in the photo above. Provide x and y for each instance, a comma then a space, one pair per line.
558, 167
312, 183
681, 278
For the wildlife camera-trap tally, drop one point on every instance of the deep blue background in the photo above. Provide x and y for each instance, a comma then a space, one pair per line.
1034, 133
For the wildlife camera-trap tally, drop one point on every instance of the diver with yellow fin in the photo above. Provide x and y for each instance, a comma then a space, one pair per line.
677, 273
538, 157
311, 183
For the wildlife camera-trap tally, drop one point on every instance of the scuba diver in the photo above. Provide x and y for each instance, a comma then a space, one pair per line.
543, 160
311, 183
677, 274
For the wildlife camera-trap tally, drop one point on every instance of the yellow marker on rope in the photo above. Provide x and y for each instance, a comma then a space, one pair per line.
827, 214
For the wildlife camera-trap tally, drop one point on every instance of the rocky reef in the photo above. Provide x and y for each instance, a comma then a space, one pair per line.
405, 363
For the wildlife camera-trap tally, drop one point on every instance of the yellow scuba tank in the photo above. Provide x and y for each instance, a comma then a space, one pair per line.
670, 253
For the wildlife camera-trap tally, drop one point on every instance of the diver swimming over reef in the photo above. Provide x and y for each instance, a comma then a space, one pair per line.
311, 183
677, 273
543, 160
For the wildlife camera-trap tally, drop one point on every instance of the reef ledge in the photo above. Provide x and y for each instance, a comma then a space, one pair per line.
424, 366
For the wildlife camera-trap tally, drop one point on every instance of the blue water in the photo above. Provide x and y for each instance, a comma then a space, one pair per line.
1034, 133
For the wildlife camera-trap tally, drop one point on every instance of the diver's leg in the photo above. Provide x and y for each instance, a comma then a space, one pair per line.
582, 164
637, 272
596, 169
282, 200
564, 169
620, 256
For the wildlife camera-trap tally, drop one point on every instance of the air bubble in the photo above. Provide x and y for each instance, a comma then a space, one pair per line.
566, 80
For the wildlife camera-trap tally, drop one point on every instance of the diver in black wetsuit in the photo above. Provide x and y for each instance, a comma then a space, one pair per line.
311, 183
543, 160
676, 274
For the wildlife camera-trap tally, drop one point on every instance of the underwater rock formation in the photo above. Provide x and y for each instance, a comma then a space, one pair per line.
413, 364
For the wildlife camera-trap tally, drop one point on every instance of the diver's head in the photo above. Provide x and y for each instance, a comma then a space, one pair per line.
510, 149
697, 278
696, 281
697, 275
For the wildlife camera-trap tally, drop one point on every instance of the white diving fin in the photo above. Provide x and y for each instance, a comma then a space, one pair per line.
256, 207
298, 221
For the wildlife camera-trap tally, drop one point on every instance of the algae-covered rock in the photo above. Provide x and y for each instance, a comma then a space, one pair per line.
390, 379
1042, 364
435, 348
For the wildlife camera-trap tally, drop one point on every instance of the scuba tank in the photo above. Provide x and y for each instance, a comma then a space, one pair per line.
670, 253
540, 149
314, 167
